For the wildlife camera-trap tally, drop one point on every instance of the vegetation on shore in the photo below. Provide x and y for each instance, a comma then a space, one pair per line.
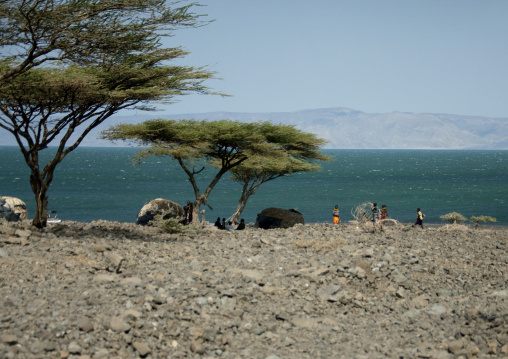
254, 153
69, 66
455, 217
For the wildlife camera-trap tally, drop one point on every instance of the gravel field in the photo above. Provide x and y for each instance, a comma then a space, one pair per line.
119, 290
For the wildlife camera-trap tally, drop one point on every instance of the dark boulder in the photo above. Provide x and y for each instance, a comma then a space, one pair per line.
12, 209
157, 207
278, 218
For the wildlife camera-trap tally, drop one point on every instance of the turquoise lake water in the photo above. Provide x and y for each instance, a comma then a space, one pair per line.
101, 183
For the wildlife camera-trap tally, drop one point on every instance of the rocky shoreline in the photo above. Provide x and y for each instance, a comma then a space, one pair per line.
119, 290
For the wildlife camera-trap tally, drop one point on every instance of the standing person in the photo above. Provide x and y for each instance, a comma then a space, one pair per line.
419, 218
375, 213
384, 212
336, 215
188, 212
223, 225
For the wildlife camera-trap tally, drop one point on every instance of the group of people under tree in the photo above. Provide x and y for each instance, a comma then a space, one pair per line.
218, 223
377, 215
229, 225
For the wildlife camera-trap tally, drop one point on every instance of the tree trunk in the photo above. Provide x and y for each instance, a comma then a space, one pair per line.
41, 213
195, 211
200, 200
246, 193
241, 206
41, 200
40, 181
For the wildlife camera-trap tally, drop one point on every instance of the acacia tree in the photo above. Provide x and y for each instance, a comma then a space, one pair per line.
72, 64
295, 151
223, 144
86, 32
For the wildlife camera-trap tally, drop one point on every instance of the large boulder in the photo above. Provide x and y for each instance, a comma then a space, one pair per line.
278, 218
13, 209
157, 207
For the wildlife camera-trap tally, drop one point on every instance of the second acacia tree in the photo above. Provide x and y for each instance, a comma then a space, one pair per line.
224, 145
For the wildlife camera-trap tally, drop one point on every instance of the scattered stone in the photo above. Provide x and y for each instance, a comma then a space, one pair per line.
12, 209
74, 348
504, 349
105, 278
327, 293
118, 325
278, 218
85, 324
9, 339
401, 292
156, 207
142, 348
455, 346
197, 347
120, 290
24, 233
437, 310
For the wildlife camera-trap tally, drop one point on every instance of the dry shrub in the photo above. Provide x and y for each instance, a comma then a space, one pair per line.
478, 219
363, 217
174, 225
362, 213
328, 244
453, 217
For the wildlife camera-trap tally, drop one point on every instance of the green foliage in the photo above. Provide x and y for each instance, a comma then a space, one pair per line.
253, 152
453, 217
89, 32
174, 225
66, 66
230, 142
171, 225
477, 219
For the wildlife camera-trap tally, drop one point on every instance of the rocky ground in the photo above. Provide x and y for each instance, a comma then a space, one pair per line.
116, 290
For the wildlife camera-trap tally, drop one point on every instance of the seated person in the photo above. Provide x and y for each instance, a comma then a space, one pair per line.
241, 225
229, 226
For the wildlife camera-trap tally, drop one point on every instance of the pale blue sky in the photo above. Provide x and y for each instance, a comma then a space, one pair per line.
438, 56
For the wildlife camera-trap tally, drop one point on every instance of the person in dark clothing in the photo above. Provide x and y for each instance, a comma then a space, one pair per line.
217, 223
419, 218
188, 212
375, 213
241, 225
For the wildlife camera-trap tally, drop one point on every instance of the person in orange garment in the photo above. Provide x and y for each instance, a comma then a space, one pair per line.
384, 212
336, 216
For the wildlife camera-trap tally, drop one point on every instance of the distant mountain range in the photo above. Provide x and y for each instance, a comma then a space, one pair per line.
350, 129
345, 128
